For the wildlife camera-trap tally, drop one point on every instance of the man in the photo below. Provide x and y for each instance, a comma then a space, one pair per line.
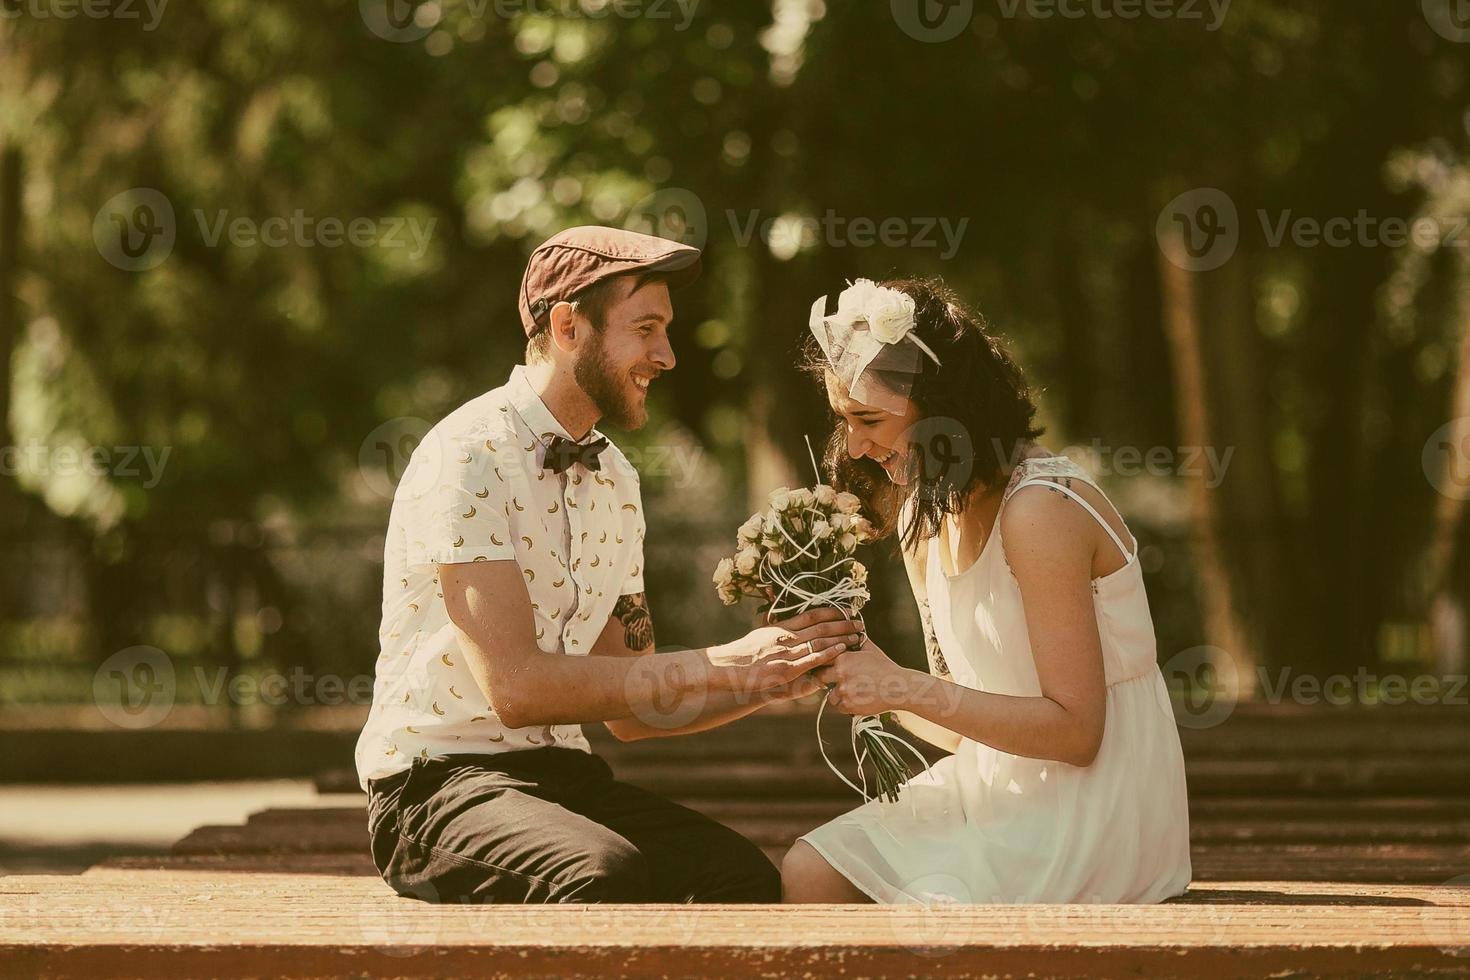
513, 612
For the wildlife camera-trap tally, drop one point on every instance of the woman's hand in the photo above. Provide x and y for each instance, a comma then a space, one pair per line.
866, 681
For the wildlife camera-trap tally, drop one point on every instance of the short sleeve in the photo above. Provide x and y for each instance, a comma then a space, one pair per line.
636, 523
455, 499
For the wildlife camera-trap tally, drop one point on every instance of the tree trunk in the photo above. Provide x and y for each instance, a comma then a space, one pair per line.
1223, 626
1446, 613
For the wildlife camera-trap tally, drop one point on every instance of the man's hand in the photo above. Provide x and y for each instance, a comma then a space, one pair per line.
771, 656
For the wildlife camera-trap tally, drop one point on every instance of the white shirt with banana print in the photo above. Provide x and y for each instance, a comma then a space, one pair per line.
475, 490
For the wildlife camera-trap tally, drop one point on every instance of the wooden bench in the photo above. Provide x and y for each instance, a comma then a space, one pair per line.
1325, 843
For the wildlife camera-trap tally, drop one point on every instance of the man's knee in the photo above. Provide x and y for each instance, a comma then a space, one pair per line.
613, 871
740, 872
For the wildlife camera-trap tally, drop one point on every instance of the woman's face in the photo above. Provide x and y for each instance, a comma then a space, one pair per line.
873, 432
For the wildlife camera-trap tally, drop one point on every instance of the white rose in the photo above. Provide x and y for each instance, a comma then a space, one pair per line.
858, 297
802, 498
859, 573
746, 559
890, 315
840, 521
825, 495
821, 530
780, 499
724, 573
847, 542
848, 503
862, 528
774, 558
750, 531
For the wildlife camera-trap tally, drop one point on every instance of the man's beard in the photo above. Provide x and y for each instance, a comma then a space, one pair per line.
608, 390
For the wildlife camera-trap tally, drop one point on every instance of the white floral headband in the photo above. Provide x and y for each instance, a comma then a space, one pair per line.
865, 336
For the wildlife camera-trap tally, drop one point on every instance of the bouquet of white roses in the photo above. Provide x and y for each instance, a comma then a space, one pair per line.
800, 553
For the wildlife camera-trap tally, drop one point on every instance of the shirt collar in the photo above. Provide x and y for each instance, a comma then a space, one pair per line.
533, 411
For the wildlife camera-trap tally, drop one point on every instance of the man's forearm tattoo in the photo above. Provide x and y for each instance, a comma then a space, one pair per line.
937, 666
632, 612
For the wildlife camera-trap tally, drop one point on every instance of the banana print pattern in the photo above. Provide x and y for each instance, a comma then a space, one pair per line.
575, 537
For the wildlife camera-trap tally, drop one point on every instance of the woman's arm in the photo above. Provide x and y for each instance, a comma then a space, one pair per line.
1050, 544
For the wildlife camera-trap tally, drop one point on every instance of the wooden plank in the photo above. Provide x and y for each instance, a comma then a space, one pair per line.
1424, 861
760, 822
178, 923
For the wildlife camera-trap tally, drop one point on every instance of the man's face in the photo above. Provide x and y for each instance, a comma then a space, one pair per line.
618, 363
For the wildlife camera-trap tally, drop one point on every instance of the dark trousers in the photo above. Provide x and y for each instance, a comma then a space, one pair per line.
552, 825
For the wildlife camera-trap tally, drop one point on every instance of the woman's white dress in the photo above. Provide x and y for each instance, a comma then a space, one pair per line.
984, 826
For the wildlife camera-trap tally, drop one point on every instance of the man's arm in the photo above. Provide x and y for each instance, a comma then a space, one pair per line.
491, 610
629, 633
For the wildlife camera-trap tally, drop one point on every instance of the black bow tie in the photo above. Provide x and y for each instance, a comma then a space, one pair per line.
562, 453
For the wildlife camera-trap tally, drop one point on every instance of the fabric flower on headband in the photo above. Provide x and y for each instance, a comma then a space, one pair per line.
863, 343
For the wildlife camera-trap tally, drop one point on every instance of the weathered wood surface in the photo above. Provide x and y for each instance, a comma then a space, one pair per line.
120, 921
1324, 844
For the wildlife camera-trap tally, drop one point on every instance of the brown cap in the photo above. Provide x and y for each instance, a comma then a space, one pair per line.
570, 261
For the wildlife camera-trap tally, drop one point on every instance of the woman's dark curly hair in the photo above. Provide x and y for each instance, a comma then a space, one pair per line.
975, 415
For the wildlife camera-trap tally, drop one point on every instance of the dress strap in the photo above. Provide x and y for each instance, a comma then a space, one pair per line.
1044, 482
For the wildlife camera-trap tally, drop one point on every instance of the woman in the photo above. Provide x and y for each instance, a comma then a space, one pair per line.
1066, 782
